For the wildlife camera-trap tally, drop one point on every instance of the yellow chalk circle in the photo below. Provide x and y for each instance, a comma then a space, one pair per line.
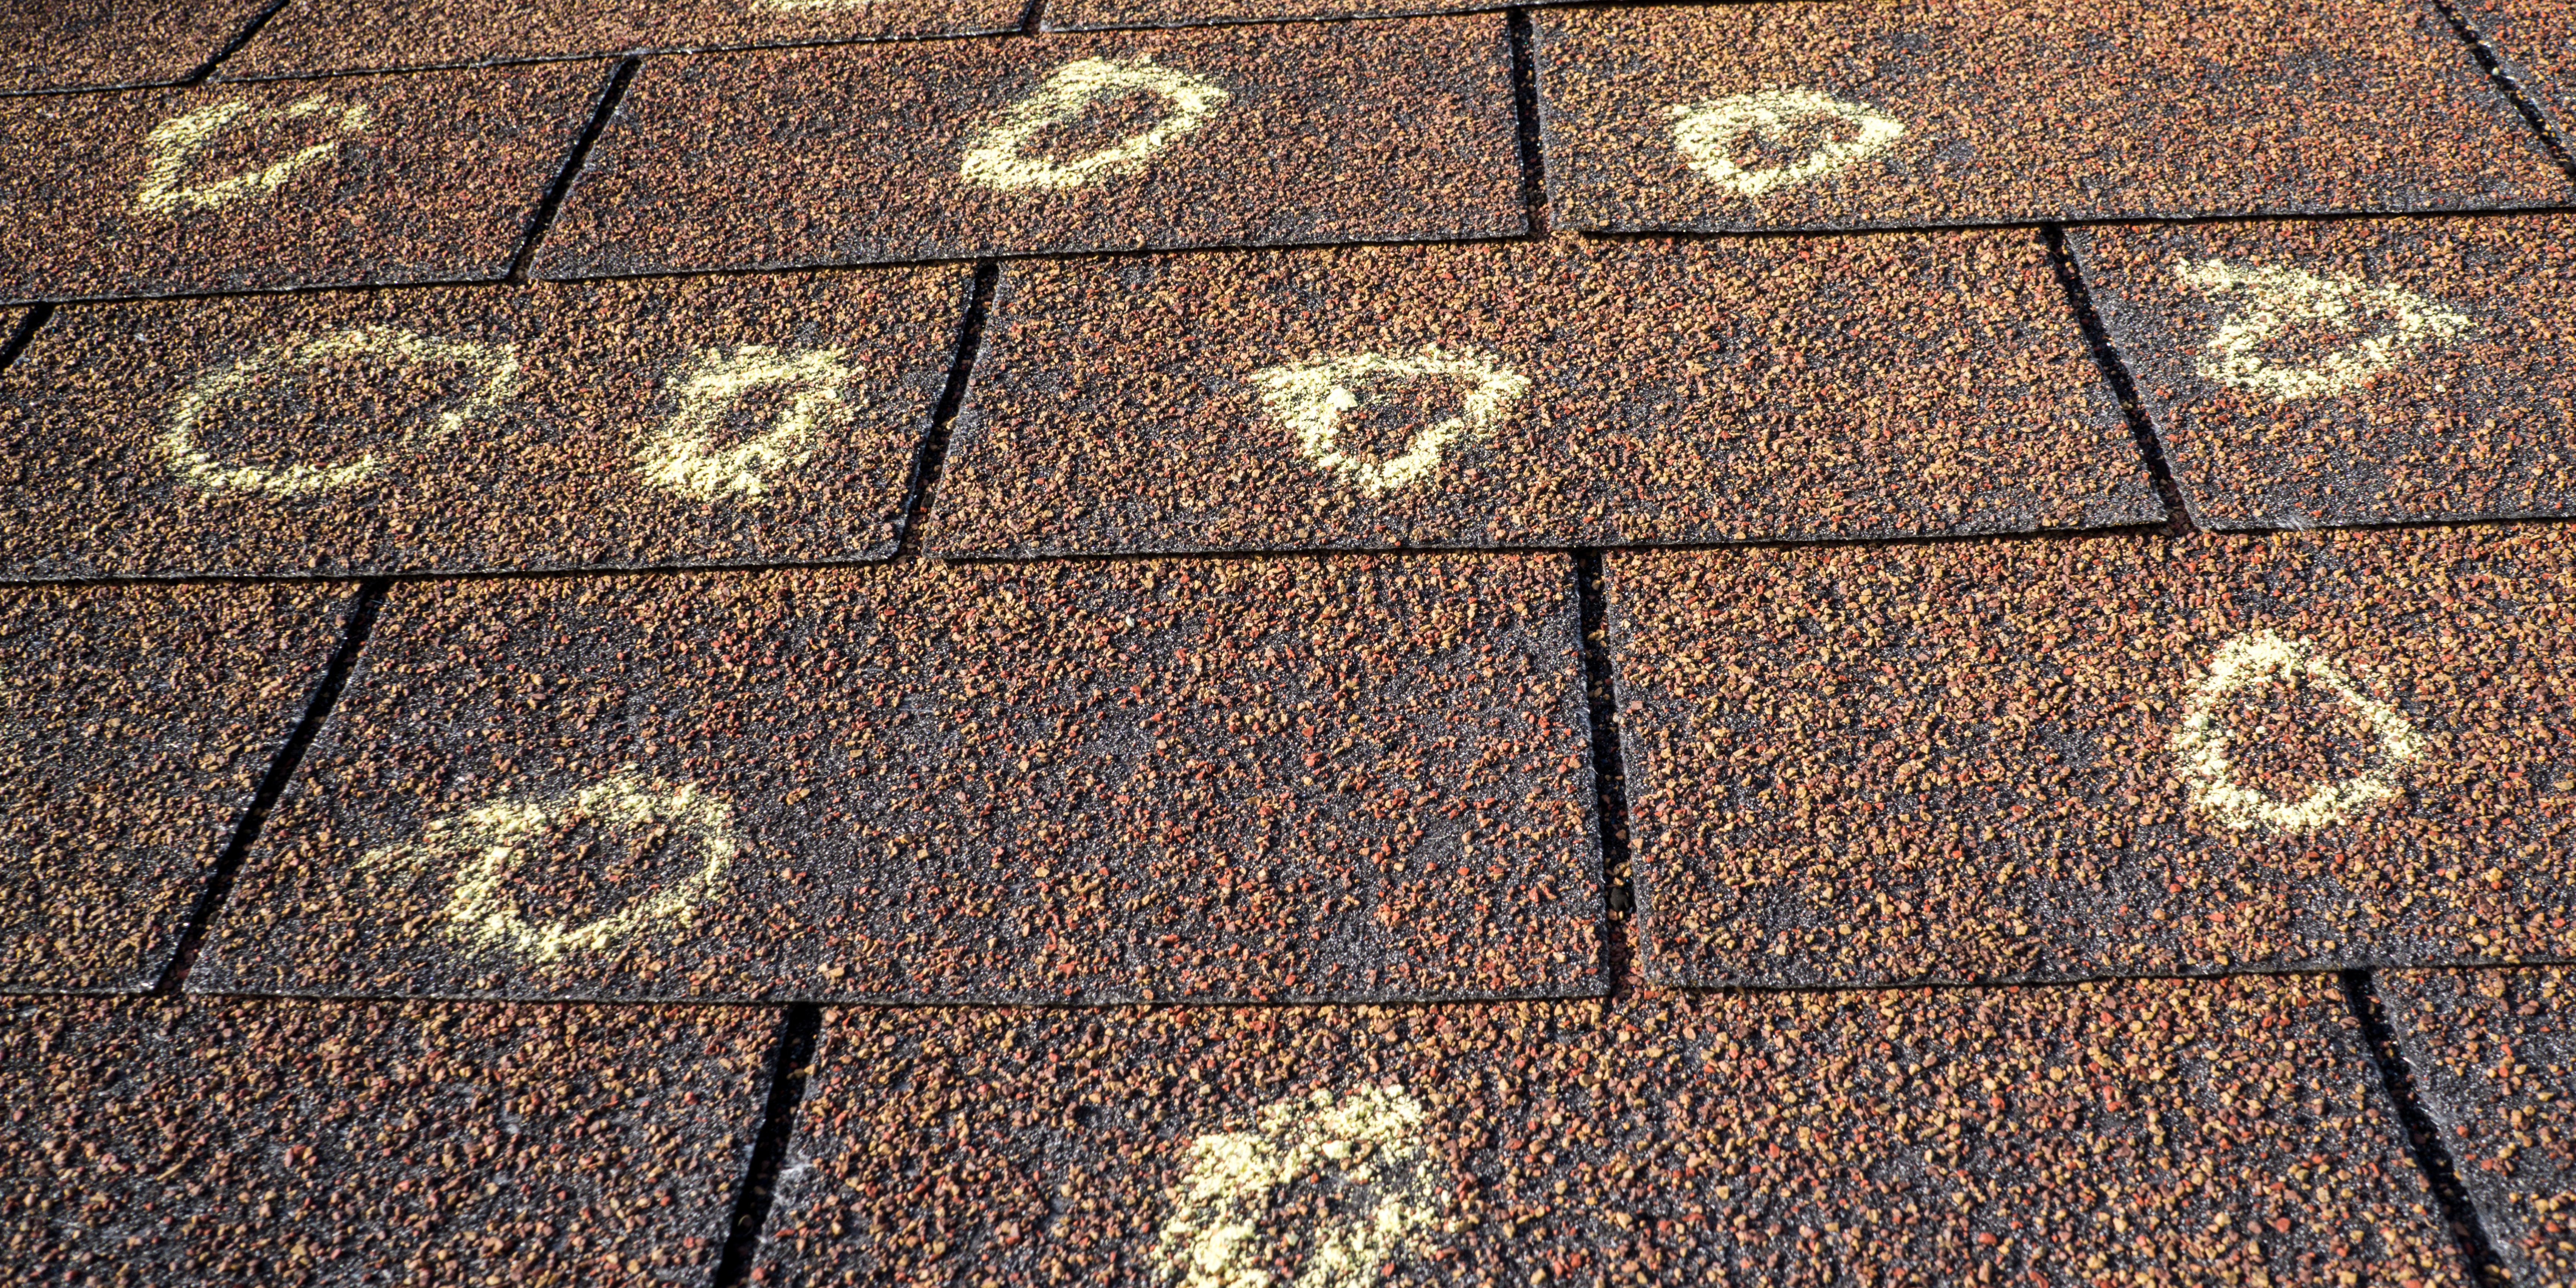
1310, 398
2201, 746
1709, 132
1221, 1233
498, 365
2278, 298
487, 843
176, 142
996, 157
682, 454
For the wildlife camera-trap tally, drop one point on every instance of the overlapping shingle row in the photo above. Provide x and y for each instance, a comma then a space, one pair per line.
1364, 700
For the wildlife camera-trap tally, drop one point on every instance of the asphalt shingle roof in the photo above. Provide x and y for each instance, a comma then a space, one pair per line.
1220, 644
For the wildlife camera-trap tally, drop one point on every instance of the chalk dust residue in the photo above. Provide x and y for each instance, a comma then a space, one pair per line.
2203, 745
998, 156
175, 144
2374, 328
1312, 398
1359, 1156
1715, 135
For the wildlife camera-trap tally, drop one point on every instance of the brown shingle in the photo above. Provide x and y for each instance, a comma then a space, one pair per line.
1249, 135
108, 44
1321, 779
1542, 394
714, 421
2099, 756
423, 178
1780, 116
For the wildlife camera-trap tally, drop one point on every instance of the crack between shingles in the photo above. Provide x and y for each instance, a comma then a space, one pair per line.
2495, 66
932, 460
1525, 116
231, 47
281, 770
2106, 356
1033, 18
799, 1027
1609, 771
25, 334
544, 220
2423, 1136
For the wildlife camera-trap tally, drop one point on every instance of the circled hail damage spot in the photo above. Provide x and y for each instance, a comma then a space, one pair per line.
683, 454
1311, 398
175, 144
2203, 744
2277, 304
497, 365
1711, 133
1377, 1181
488, 845
998, 156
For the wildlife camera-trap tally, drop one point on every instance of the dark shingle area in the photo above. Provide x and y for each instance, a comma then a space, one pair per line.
137, 723
2233, 1129
1555, 393
2354, 371
2101, 756
156, 1142
1345, 779
2491, 1053
313, 36
1812, 116
707, 421
1232, 136
110, 44
425, 178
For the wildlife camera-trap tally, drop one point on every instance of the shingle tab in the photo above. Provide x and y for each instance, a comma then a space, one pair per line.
1232, 136
2352, 371
425, 178
2100, 756
1358, 778
312, 36
710, 421
108, 44
137, 723
1536, 394
1095, 15
263, 1142
1923, 112
2491, 1051
2220, 1130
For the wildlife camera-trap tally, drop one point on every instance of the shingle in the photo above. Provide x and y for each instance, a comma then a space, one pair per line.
107, 44
710, 421
1346, 779
2099, 756
2534, 41
353, 181
156, 1142
1233, 136
2352, 371
1781, 116
1535, 394
1094, 15
1198, 1145
2213, 1130
2155, 1131
2490, 1052
310, 36
137, 723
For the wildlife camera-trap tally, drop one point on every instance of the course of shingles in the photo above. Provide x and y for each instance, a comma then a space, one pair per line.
1201, 643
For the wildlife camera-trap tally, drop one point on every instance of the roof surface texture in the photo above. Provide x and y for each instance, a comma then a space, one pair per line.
1266, 643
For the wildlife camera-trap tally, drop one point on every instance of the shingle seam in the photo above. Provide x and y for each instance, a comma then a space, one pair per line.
25, 334
281, 770
2070, 275
933, 456
1033, 18
2508, 80
2423, 1138
1609, 769
790, 1067
243, 37
1525, 117
544, 220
